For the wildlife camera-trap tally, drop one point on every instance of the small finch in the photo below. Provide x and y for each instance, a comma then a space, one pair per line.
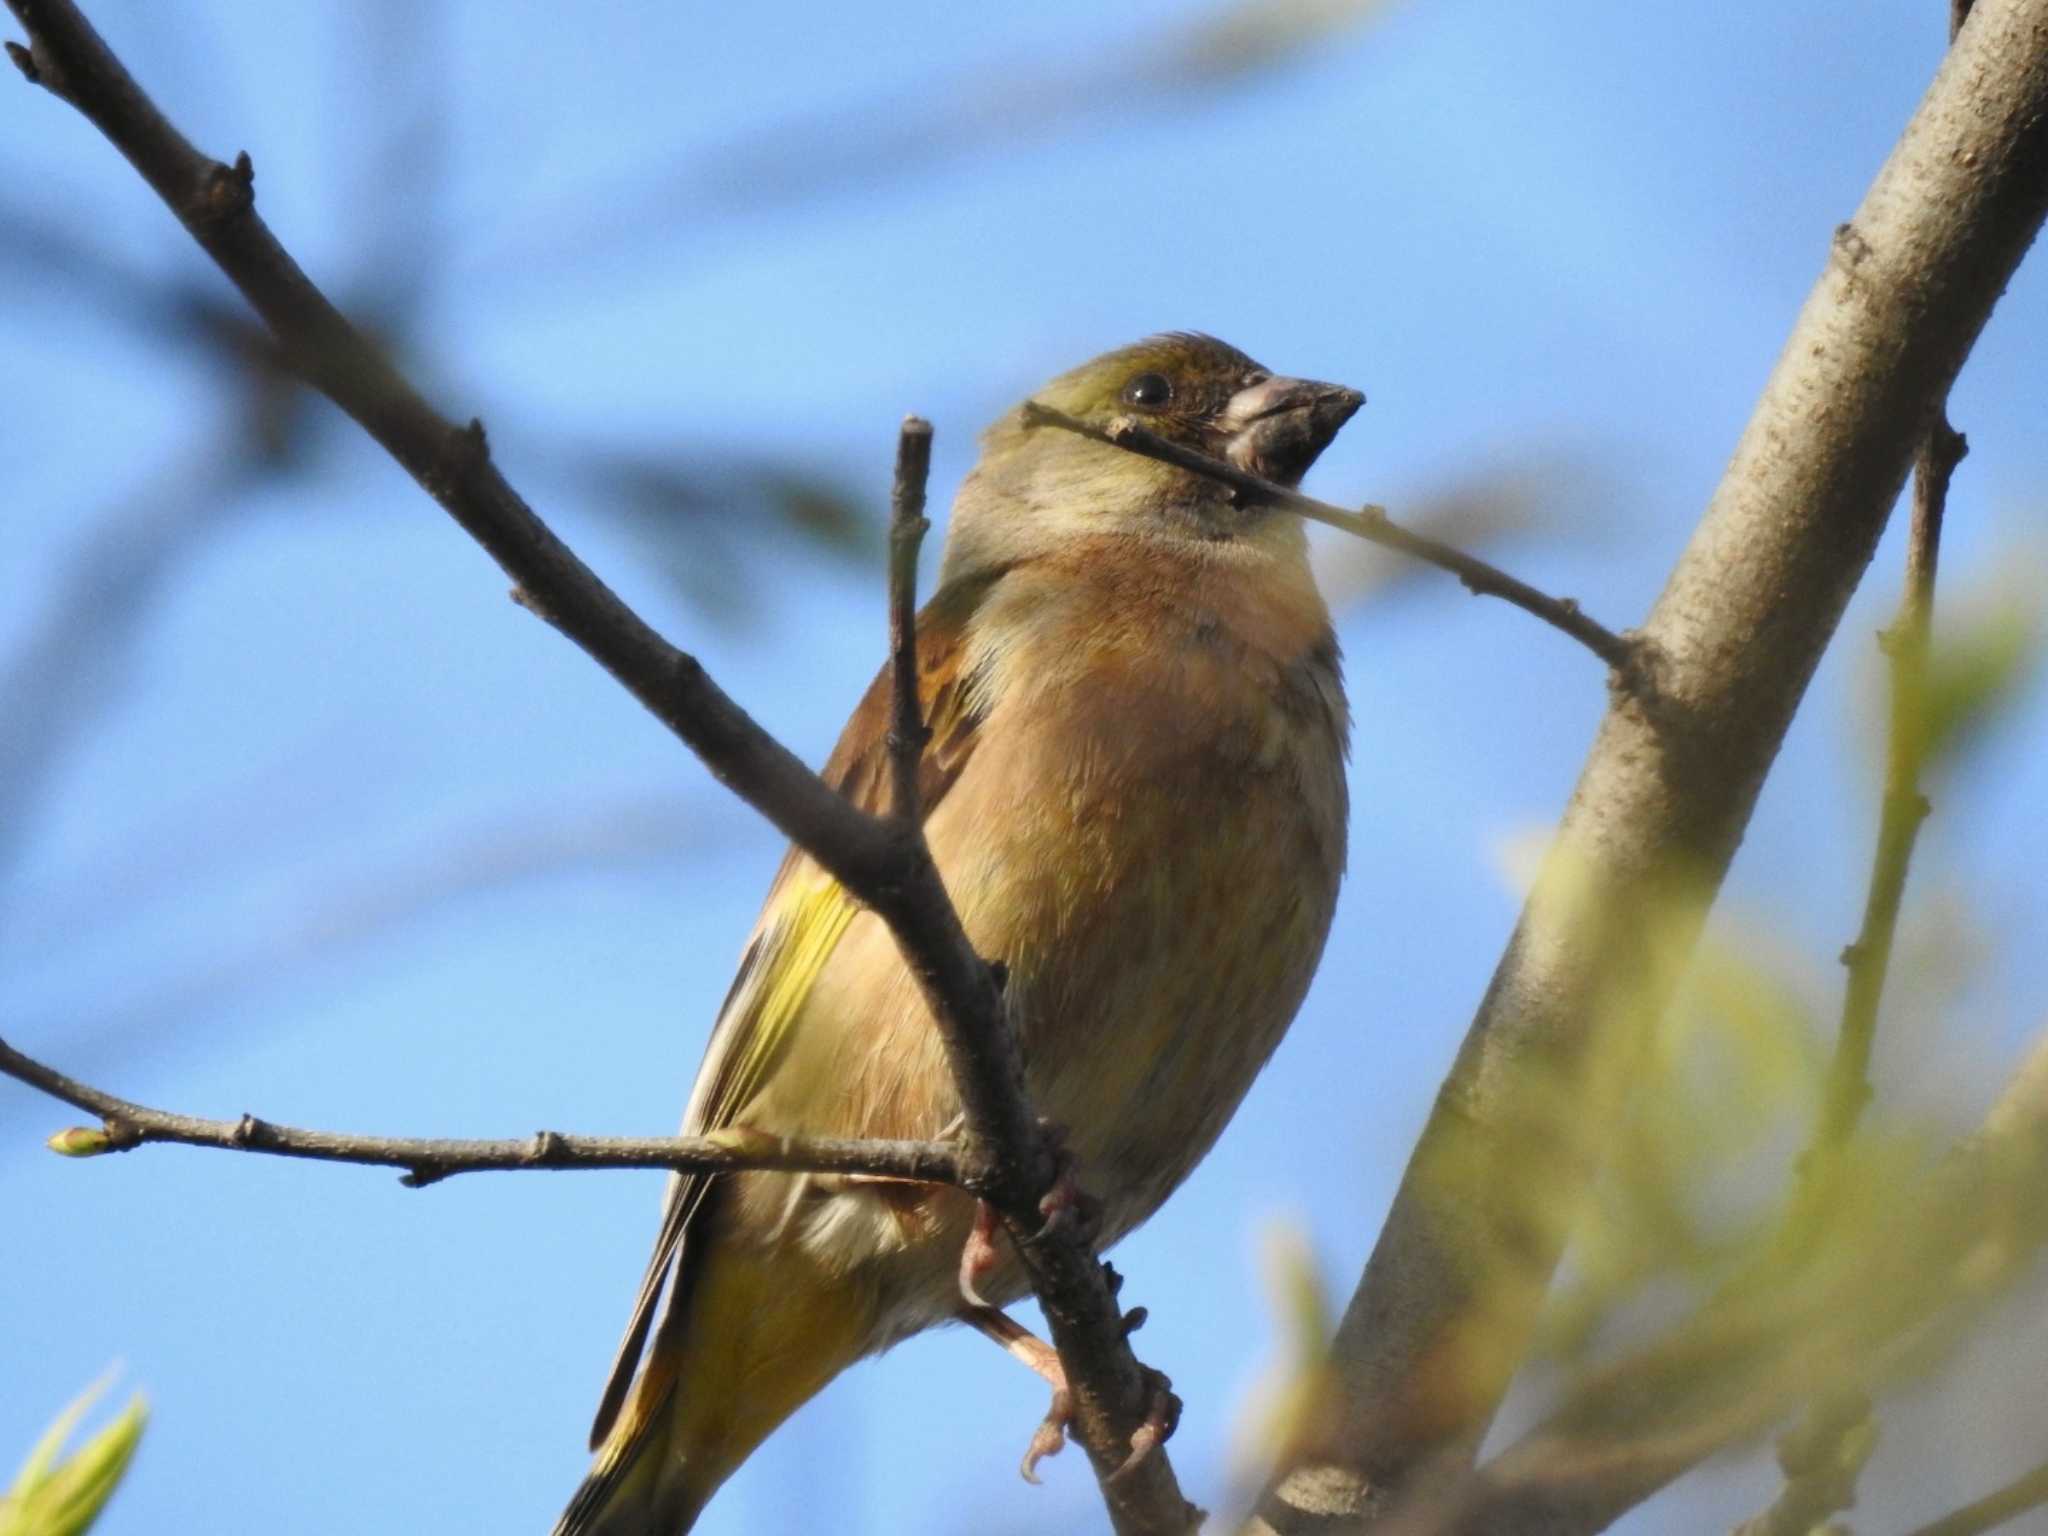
1134, 789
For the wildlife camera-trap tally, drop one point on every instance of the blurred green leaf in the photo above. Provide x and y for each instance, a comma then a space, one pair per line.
53, 1497
1289, 1409
1979, 662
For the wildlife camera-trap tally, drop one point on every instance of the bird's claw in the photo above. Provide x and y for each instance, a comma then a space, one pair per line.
978, 1255
1066, 1204
1162, 1417
1050, 1438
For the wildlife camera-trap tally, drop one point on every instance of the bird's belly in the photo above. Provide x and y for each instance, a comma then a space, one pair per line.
1144, 1027
1160, 909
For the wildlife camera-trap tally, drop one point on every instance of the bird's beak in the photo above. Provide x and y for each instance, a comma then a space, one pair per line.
1277, 427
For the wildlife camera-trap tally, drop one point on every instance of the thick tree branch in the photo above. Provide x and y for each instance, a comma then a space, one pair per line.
1003, 1155
125, 1125
1369, 523
1448, 1302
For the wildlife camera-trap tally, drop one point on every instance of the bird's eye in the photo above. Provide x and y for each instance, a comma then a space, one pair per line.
1149, 391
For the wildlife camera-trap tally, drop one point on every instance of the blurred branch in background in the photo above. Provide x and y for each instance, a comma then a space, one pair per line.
1994, 1509
325, 920
71, 666
927, 126
1908, 1263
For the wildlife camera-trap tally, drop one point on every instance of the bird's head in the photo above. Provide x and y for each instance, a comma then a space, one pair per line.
1039, 482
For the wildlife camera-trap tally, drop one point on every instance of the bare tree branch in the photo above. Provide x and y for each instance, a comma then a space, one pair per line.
1371, 523
1003, 1154
126, 1125
1449, 1299
907, 528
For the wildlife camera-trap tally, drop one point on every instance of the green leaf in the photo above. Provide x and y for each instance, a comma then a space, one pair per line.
53, 1497
1977, 664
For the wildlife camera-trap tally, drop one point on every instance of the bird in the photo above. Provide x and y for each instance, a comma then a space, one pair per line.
1133, 786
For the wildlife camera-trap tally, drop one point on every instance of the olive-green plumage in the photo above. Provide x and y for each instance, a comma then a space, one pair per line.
1134, 789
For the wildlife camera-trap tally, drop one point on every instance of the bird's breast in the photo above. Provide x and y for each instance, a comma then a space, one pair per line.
1152, 845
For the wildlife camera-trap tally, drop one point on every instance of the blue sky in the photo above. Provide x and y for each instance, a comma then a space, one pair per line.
348, 840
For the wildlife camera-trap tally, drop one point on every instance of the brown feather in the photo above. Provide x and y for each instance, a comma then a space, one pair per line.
858, 769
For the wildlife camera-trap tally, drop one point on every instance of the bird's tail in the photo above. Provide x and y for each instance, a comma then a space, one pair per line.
637, 1486
755, 1343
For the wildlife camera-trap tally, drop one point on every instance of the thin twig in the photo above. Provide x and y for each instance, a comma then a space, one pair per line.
1004, 1156
427, 1160
1994, 1509
1868, 959
1823, 1457
907, 527
1370, 523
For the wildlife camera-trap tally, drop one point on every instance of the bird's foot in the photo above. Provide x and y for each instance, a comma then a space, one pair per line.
1050, 1438
1066, 1203
978, 1255
1162, 1417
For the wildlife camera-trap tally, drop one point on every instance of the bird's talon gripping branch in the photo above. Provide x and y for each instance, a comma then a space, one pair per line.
1162, 1417
1050, 1437
1065, 1203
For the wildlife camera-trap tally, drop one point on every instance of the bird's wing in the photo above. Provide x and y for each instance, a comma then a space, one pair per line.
806, 913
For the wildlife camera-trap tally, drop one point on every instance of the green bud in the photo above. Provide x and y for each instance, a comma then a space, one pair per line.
82, 1141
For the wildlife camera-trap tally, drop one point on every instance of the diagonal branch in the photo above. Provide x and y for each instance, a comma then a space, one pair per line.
1369, 523
1004, 1156
1448, 1303
2026, 1492
126, 1125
